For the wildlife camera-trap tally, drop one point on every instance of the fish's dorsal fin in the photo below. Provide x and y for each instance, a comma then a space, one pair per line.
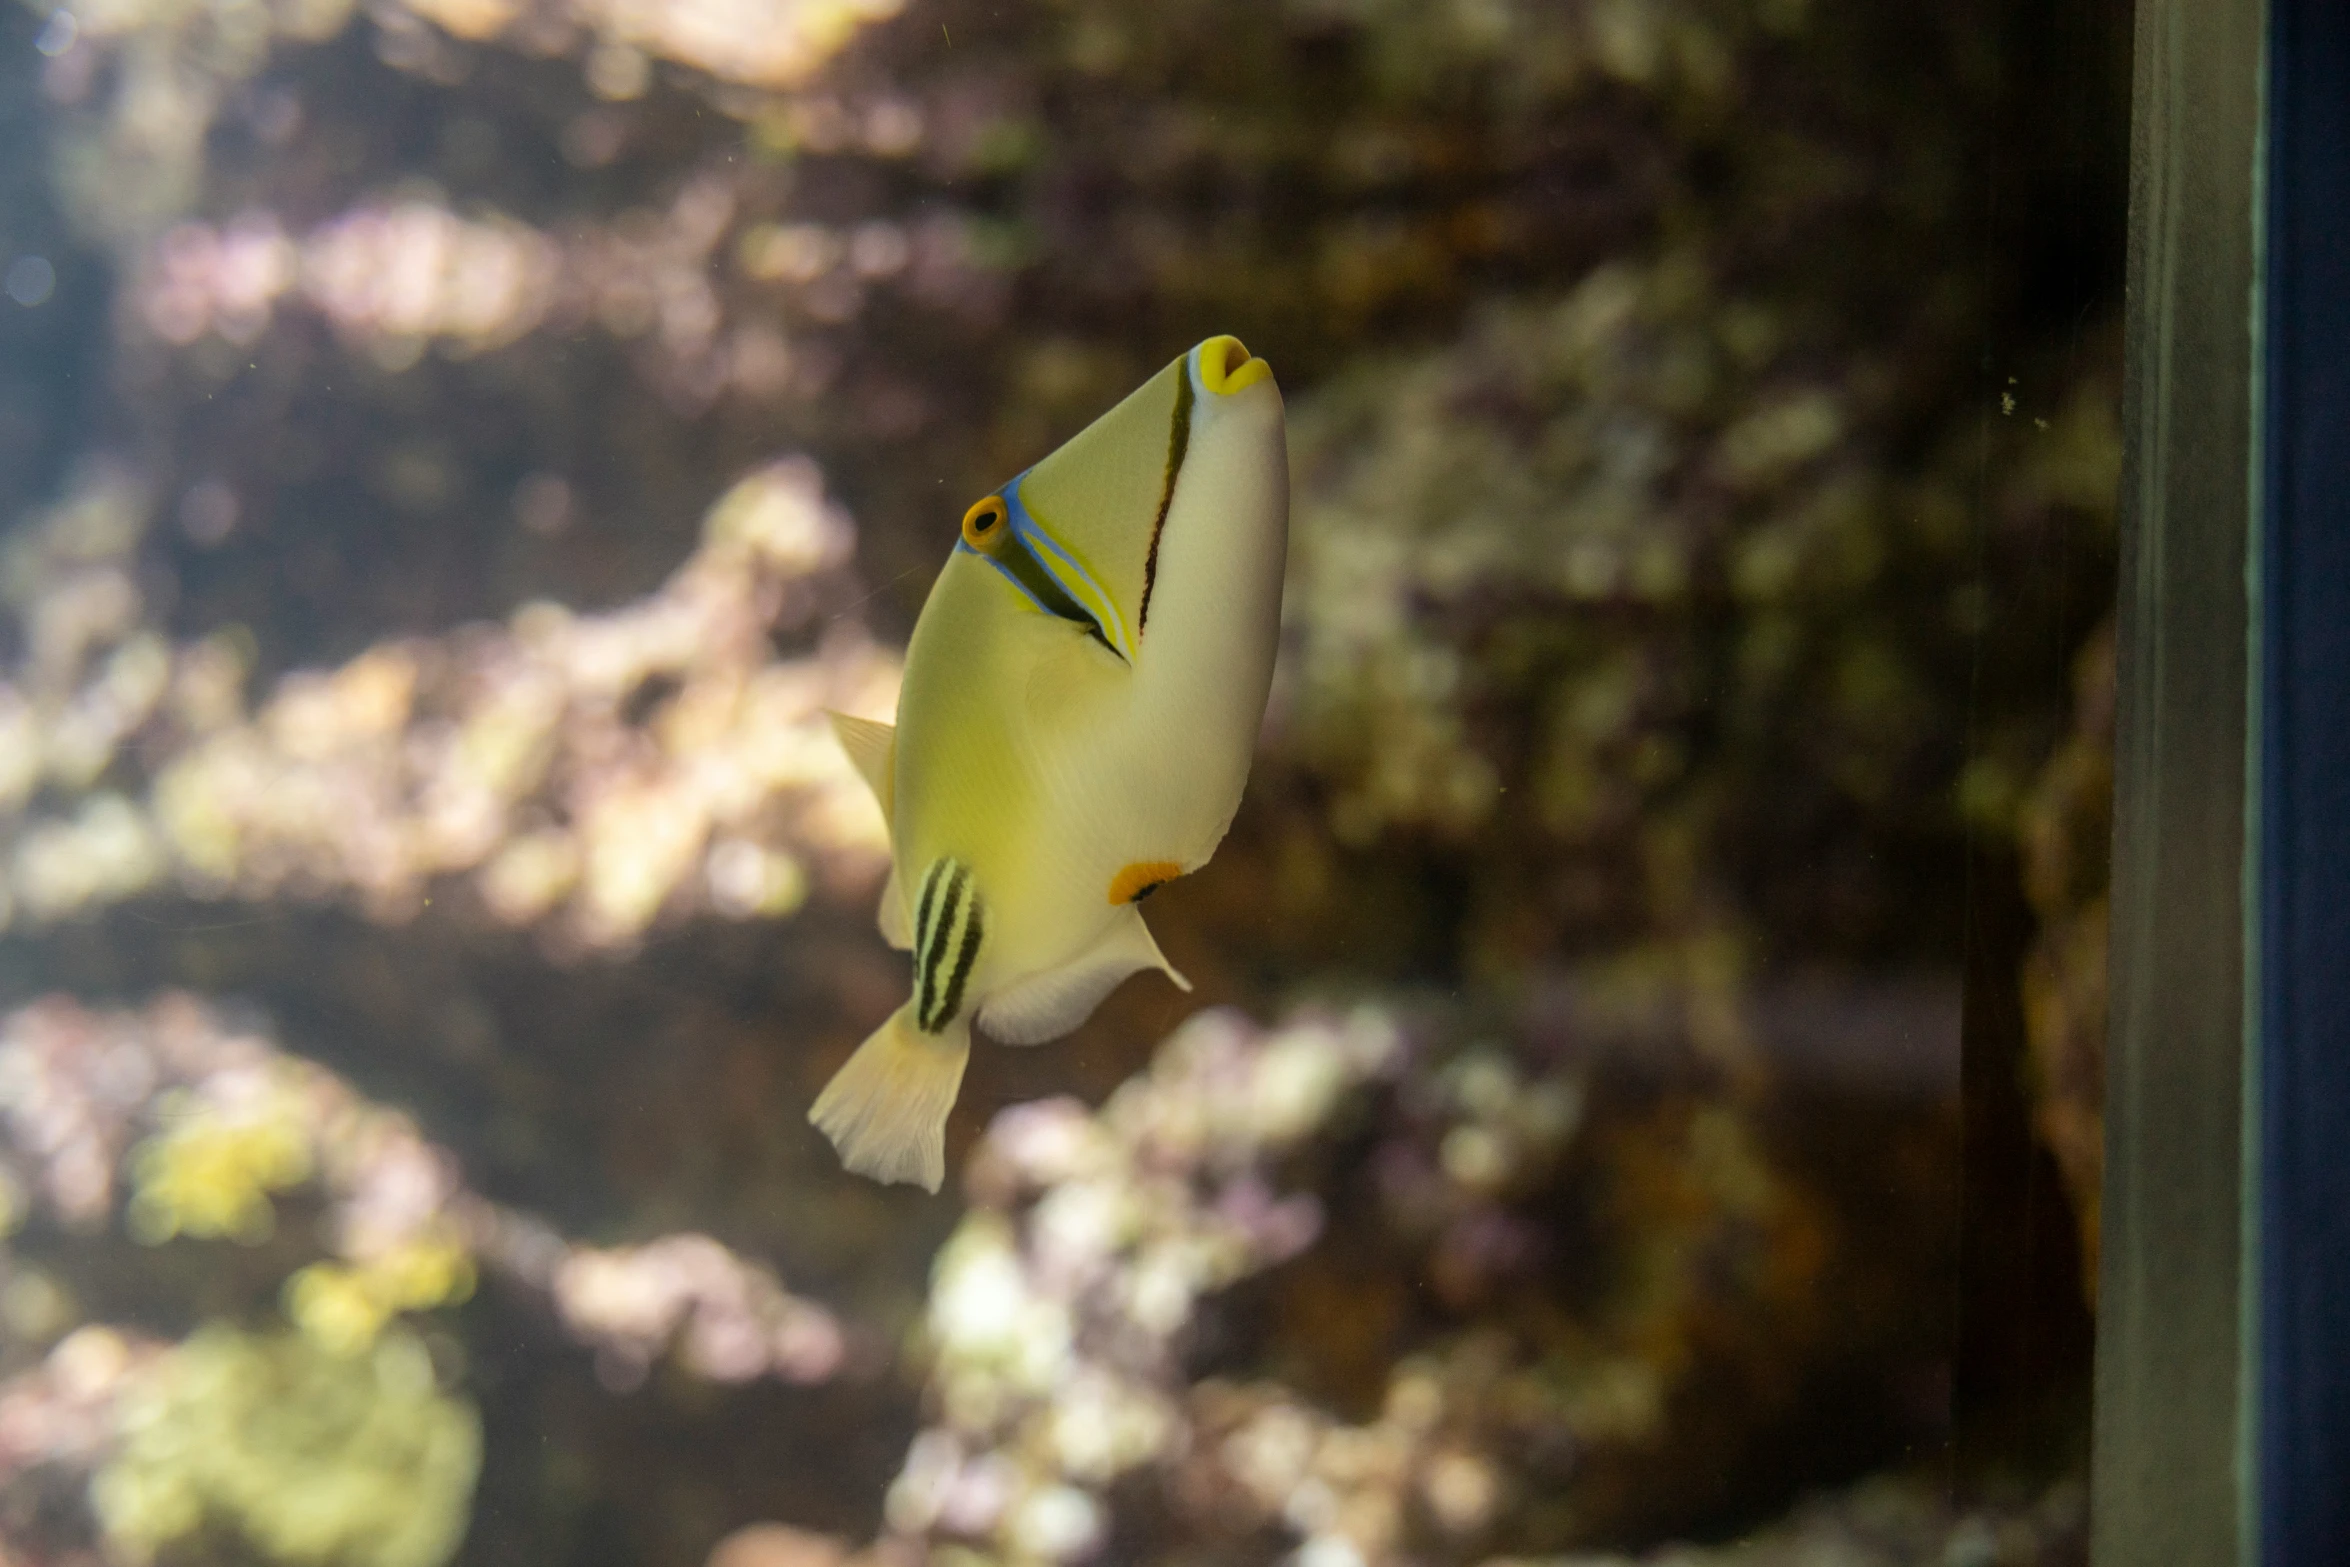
1047, 1005
897, 927
872, 748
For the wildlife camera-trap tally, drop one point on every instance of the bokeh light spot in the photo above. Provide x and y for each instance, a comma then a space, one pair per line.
30, 281
59, 35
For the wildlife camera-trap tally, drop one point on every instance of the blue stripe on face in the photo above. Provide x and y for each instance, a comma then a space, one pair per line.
1049, 553
1035, 573
1007, 574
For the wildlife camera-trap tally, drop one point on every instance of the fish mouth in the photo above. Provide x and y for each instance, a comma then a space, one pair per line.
1225, 366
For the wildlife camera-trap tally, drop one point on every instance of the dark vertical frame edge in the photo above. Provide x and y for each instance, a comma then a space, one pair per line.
2167, 1468
2303, 962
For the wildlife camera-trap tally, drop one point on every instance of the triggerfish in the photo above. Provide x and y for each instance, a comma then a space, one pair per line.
1081, 701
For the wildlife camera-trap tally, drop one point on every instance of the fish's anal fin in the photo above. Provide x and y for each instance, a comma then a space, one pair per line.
886, 1109
1047, 1005
1158, 959
897, 926
872, 748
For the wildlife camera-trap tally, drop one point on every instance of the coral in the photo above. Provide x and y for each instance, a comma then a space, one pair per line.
1054, 1344
398, 276
344, 1307
166, 67
775, 1545
731, 1321
210, 1169
356, 1460
1534, 567
1067, 1313
62, 1413
237, 1119
516, 757
1888, 1523
395, 276
768, 46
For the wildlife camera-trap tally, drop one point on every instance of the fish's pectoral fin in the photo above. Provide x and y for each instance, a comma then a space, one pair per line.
1047, 1005
897, 926
1073, 679
886, 1109
872, 748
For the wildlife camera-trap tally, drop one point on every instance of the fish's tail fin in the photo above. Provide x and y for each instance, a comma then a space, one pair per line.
886, 1108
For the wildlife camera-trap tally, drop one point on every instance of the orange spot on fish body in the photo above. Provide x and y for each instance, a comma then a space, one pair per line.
1139, 880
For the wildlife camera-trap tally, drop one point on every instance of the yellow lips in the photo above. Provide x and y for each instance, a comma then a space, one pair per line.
1225, 367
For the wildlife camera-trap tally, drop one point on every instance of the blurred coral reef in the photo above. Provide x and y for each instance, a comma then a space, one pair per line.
310, 1454
1057, 1308
329, 1442
234, 1121
589, 771
1888, 1524
452, 453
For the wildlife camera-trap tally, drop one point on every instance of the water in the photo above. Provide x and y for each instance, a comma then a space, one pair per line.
1641, 1090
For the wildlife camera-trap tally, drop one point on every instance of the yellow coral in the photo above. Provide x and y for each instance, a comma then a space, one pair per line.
343, 1307
424, 1273
317, 1459
334, 1308
209, 1172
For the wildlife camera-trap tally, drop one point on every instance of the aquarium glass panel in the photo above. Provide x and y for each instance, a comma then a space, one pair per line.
1171, 783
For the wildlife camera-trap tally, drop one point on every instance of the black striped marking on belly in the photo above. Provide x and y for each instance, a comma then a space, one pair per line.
949, 926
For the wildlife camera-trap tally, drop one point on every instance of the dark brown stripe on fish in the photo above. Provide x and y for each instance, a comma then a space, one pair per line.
922, 917
1178, 442
973, 933
926, 1012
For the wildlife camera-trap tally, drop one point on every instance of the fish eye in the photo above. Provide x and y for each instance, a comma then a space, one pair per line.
983, 524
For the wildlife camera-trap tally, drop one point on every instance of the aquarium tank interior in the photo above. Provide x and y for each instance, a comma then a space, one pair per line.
1638, 1098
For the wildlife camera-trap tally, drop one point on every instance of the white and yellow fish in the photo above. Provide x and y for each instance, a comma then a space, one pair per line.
1081, 702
